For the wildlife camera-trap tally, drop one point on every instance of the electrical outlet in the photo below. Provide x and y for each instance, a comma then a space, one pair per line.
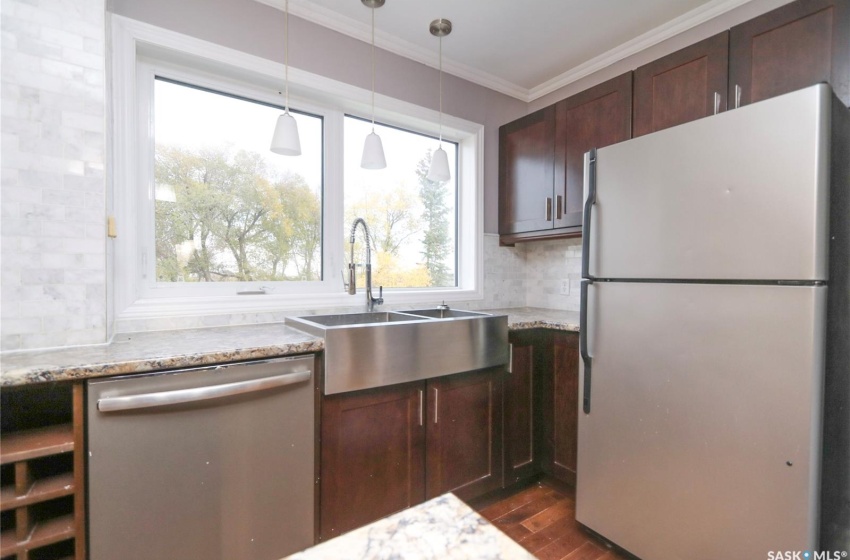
565, 287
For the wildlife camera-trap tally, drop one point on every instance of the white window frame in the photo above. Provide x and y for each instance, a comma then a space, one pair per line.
140, 52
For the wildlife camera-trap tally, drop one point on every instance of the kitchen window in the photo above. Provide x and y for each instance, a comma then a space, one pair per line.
210, 221
412, 220
226, 209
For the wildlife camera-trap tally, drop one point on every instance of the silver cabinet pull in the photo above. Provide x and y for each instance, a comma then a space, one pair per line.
165, 398
716, 102
737, 96
559, 200
436, 404
510, 358
421, 406
548, 208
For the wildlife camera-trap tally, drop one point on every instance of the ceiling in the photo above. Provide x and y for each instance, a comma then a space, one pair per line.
525, 49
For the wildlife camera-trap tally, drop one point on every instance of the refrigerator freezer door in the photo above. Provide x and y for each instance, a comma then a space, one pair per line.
738, 196
703, 436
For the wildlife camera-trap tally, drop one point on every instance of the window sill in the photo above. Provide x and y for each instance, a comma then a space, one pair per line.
270, 303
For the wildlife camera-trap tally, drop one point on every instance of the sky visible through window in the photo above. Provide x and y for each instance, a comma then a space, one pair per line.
228, 209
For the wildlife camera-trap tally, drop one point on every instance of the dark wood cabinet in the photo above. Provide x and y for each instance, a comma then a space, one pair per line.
523, 421
373, 456
464, 434
541, 163
560, 418
684, 86
595, 118
792, 47
384, 450
526, 183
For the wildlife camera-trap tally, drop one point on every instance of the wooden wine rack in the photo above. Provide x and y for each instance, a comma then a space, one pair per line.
47, 467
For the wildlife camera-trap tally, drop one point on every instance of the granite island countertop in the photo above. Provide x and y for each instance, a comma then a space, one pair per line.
444, 528
159, 350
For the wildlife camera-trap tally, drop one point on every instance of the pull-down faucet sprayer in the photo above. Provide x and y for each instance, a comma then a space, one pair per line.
352, 284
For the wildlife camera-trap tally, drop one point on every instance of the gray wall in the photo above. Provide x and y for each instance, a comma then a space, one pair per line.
257, 29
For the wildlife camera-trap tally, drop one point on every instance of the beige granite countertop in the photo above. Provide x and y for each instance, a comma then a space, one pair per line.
444, 528
522, 318
152, 351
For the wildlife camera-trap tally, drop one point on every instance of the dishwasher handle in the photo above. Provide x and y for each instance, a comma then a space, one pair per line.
165, 398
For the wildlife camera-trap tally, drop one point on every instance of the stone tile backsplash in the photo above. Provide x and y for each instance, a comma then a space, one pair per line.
53, 240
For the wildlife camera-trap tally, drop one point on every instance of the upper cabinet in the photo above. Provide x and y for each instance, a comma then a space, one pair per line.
684, 86
526, 151
541, 159
595, 118
792, 47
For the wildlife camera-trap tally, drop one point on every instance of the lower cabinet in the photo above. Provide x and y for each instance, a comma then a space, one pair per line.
560, 406
384, 450
541, 406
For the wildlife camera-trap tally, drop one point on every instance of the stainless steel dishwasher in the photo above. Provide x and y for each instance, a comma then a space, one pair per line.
207, 463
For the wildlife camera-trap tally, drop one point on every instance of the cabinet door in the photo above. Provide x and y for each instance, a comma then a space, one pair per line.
597, 117
792, 47
683, 86
522, 410
526, 173
373, 461
560, 405
465, 433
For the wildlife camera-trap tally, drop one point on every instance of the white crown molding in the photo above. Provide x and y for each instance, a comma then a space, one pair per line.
335, 21
652, 37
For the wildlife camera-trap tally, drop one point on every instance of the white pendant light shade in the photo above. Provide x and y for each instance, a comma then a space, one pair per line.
373, 153
285, 140
439, 166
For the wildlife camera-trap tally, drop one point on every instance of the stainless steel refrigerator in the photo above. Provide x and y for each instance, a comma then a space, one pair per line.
714, 313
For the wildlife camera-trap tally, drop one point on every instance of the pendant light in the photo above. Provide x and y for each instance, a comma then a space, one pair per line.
285, 140
373, 148
439, 170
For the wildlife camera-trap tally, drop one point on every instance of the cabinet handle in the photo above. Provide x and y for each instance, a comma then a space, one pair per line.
716, 102
548, 208
559, 200
737, 96
436, 404
510, 367
421, 406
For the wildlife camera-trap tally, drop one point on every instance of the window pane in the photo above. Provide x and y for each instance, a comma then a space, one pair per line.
227, 208
413, 221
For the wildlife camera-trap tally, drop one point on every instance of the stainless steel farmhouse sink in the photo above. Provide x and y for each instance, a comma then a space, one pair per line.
365, 350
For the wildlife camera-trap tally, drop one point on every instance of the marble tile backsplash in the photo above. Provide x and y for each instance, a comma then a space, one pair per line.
52, 171
549, 264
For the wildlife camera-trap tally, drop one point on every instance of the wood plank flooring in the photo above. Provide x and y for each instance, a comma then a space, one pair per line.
541, 518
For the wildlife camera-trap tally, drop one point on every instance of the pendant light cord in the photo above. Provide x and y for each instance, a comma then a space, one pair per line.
373, 69
286, 58
441, 92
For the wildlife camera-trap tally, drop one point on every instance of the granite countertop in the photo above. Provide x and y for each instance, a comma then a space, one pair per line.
523, 318
440, 529
153, 351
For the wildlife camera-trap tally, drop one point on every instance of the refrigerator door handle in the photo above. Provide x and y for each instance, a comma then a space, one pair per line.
582, 344
590, 189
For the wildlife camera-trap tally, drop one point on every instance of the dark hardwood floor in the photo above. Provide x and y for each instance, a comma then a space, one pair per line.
541, 518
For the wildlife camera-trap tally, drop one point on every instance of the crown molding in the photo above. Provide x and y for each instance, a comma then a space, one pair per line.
335, 21
652, 37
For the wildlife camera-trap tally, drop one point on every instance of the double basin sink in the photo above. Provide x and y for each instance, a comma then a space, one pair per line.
366, 350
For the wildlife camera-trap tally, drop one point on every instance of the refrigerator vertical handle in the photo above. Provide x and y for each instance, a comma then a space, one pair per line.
582, 345
590, 189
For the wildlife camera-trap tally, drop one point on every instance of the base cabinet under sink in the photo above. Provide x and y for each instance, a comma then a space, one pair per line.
384, 450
